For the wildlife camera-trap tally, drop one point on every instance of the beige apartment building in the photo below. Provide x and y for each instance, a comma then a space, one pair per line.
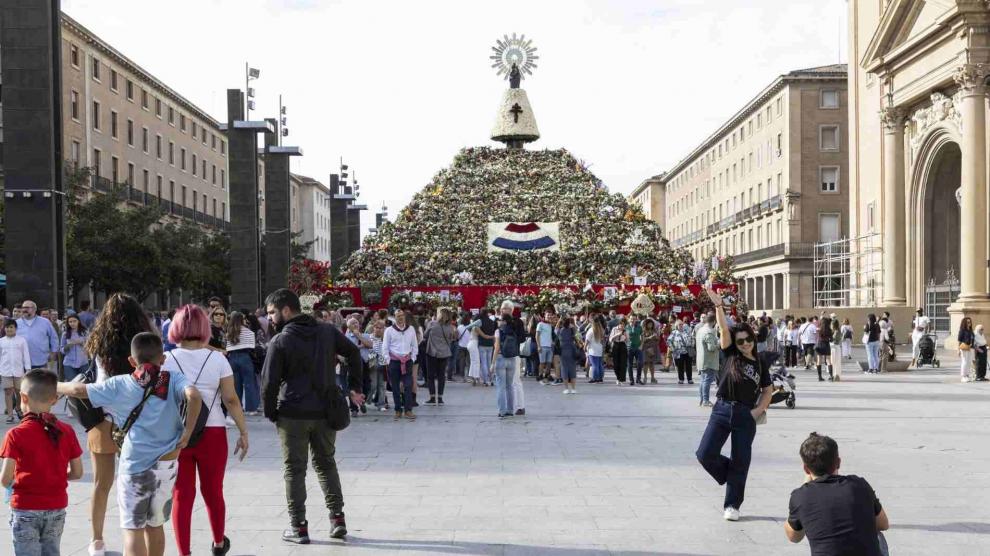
650, 196
130, 128
918, 158
766, 187
311, 215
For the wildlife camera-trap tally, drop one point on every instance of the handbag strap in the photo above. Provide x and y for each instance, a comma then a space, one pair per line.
136, 412
203, 366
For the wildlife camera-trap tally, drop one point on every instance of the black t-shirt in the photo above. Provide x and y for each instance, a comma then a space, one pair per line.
488, 326
761, 333
752, 377
838, 514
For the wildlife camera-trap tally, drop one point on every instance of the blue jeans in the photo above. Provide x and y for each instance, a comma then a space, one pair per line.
71, 372
634, 360
245, 381
505, 370
597, 367
707, 379
873, 356
377, 390
36, 532
485, 355
735, 420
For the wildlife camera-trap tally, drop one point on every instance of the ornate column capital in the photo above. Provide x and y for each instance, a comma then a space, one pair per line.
892, 118
971, 78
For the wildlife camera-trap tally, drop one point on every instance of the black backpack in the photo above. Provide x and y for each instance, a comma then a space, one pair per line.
508, 342
81, 408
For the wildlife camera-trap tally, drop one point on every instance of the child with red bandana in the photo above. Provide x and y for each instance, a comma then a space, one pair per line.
148, 467
41, 455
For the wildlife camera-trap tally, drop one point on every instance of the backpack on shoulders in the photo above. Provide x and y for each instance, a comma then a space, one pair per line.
508, 343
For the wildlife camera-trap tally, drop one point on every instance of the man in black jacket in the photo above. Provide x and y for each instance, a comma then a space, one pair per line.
295, 400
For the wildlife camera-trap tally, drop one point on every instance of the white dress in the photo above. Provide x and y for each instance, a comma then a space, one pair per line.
474, 370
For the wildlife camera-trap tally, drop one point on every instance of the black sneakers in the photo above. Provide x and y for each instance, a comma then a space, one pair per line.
297, 534
222, 550
338, 528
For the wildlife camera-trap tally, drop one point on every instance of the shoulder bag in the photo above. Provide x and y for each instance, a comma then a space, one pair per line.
119, 434
81, 408
337, 411
204, 412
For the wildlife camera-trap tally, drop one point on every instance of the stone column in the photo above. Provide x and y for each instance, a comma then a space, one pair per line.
773, 281
893, 206
973, 246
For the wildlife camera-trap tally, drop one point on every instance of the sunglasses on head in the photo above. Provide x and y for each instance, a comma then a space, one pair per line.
744, 341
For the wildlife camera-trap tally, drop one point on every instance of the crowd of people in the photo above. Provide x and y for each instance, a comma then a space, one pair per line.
150, 377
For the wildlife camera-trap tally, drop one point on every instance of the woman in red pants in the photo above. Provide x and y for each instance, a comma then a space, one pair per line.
211, 374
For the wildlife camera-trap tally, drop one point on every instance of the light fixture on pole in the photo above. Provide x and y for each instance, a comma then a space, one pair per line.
282, 121
249, 74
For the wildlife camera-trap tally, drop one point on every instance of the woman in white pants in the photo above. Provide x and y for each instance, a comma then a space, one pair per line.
837, 346
966, 338
847, 338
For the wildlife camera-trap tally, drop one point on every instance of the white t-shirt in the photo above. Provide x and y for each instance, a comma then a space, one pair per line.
463, 335
595, 347
188, 362
922, 323
14, 356
809, 333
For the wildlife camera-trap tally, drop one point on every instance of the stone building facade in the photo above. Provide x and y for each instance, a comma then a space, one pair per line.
131, 128
918, 157
767, 186
650, 196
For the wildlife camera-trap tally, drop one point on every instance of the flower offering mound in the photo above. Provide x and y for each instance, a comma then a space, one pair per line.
560, 226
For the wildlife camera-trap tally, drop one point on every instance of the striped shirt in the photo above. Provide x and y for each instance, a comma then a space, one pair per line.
245, 340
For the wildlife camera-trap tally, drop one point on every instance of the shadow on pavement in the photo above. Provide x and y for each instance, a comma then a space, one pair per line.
958, 527
471, 548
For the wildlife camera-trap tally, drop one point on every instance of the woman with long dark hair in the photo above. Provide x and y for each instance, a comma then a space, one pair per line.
109, 343
966, 339
241, 342
218, 325
743, 397
73, 340
618, 337
823, 349
871, 337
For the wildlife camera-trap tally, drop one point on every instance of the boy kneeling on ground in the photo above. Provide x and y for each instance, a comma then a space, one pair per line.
148, 464
840, 514
41, 457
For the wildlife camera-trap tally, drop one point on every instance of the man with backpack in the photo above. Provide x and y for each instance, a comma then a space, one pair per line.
298, 378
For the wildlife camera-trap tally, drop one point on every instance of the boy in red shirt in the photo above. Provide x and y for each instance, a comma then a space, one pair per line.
40, 456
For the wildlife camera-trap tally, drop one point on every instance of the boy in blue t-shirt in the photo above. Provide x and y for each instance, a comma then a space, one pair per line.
147, 459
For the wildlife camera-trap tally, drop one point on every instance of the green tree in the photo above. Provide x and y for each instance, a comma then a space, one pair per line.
212, 275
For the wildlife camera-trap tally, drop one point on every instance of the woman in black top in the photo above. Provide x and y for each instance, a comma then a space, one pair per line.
872, 333
824, 348
743, 397
966, 339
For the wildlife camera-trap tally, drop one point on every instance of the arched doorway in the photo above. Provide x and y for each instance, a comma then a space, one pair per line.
941, 234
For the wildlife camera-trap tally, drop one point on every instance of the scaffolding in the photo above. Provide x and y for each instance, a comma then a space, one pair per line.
847, 272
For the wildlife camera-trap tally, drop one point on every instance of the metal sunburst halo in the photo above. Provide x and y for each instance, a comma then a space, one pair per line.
518, 51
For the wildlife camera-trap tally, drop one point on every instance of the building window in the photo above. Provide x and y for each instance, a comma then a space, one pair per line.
171, 116
96, 115
829, 138
130, 132
829, 99
158, 147
780, 144
144, 99
829, 227
159, 186
780, 103
74, 153
74, 55
171, 153
145, 177
130, 174
214, 171
223, 210
97, 165
182, 158
74, 105
213, 141
759, 120
204, 169
113, 80
129, 89
194, 128
214, 208
182, 123
183, 195
195, 199
113, 124
871, 215
171, 191
158, 107
203, 135
144, 140
223, 147
223, 179
96, 69
194, 165
829, 179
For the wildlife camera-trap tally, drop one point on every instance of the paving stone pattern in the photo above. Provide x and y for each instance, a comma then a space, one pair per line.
611, 470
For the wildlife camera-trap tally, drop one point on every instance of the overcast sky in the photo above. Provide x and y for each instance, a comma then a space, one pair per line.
397, 87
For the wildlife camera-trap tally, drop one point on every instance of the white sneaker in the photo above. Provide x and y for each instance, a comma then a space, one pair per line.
731, 514
965, 379
566, 391
573, 391
97, 548
618, 383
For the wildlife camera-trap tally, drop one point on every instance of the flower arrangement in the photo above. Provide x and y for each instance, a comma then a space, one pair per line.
336, 299
420, 301
440, 237
309, 276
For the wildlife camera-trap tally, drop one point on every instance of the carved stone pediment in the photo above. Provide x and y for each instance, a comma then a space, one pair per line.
942, 109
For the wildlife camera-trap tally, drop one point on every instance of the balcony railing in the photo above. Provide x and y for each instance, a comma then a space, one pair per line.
794, 250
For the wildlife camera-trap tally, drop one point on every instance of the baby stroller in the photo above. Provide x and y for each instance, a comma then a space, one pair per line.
926, 351
781, 381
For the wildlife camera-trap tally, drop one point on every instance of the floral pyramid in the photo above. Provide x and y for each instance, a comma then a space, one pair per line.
441, 236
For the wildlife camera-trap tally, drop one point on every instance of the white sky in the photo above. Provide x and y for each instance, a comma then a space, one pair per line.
397, 87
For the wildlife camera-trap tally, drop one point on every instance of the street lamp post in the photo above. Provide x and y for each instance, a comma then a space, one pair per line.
249, 74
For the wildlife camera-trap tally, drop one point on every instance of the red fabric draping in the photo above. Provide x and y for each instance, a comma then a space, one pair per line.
475, 297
